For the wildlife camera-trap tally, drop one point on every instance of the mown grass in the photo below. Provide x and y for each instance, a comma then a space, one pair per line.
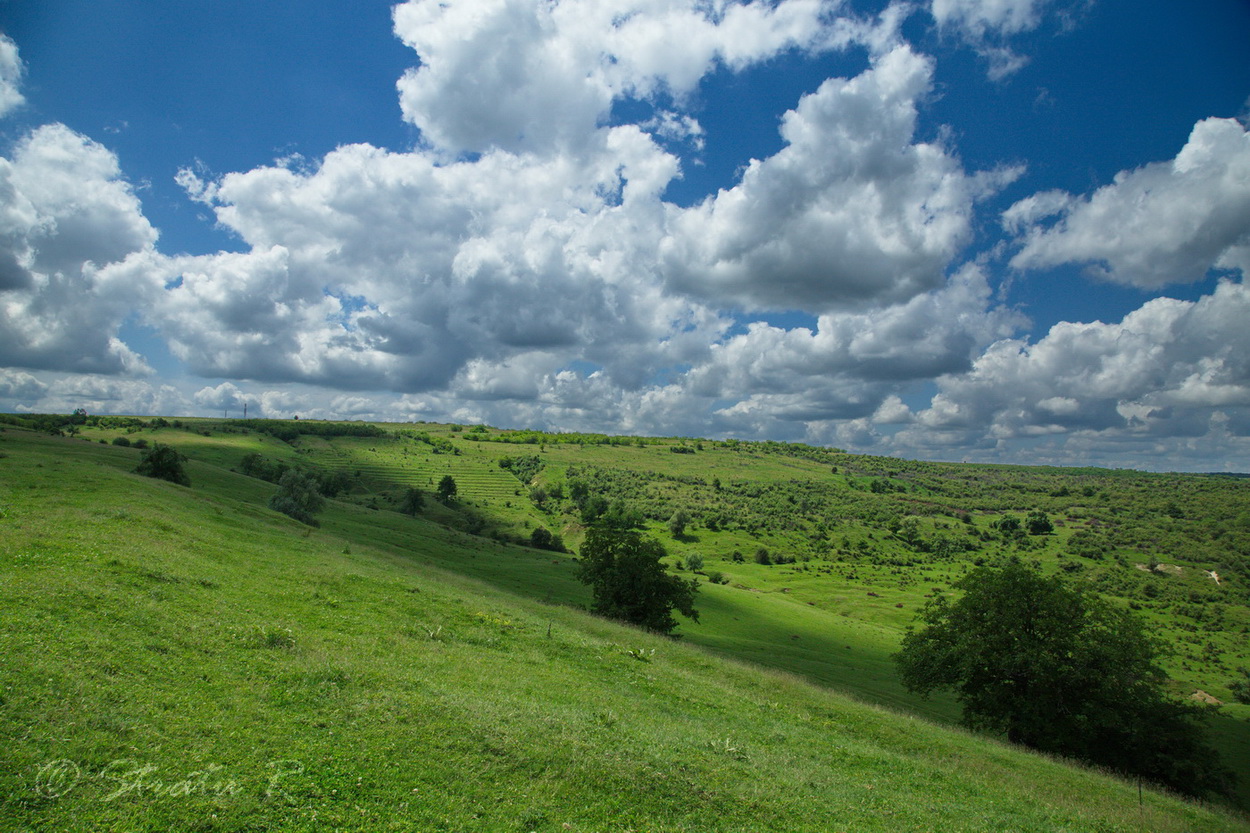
185, 659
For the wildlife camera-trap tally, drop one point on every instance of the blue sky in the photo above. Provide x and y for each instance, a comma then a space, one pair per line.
999, 230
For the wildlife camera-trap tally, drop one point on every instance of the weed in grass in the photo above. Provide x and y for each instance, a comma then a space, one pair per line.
271, 636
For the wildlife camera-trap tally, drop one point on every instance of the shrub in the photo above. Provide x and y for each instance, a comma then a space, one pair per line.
1241, 688
678, 522
1038, 523
121, 441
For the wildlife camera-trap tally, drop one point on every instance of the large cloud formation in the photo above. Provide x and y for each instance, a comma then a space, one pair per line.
521, 265
75, 255
1167, 222
412, 271
851, 211
523, 76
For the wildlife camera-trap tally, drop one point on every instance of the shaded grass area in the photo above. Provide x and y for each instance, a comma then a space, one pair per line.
176, 659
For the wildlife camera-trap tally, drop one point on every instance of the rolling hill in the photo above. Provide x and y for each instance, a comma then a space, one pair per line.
188, 659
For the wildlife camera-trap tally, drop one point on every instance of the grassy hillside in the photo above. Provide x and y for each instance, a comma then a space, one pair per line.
867, 540
187, 659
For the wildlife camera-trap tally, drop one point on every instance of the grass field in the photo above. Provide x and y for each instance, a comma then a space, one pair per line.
818, 507
187, 659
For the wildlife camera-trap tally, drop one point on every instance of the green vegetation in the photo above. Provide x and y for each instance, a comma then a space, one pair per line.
447, 488
384, 652
413, 501
297, 496
629, 582
1055, 669
163, 463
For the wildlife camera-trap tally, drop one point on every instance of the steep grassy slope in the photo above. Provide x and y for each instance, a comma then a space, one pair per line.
175, 659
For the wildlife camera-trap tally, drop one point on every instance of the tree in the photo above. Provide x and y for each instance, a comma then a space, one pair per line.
1059, 670
1038, 523
1007, 524
297, 496
629, 582
677, 523
165, 463
544, 539
413, 501
447, 488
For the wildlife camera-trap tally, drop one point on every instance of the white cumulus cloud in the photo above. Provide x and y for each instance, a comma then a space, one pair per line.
519, 75
1171, 369
852, 211
1166, 222
75, 255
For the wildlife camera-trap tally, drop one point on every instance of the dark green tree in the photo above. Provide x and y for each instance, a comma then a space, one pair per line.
544, 539
1060, 670
297, 496
629, 582
1038, 523
447, 488
412, 502
165, 463
1007, 524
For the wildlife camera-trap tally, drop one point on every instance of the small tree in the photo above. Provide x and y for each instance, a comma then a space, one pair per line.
1058, 670
629, 582
413, 501
447, 488
1038, 523
1007, 524
164, 463
544, 539
678, 522
297, 496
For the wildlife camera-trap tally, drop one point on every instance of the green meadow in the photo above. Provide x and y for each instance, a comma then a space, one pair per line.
188, 659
